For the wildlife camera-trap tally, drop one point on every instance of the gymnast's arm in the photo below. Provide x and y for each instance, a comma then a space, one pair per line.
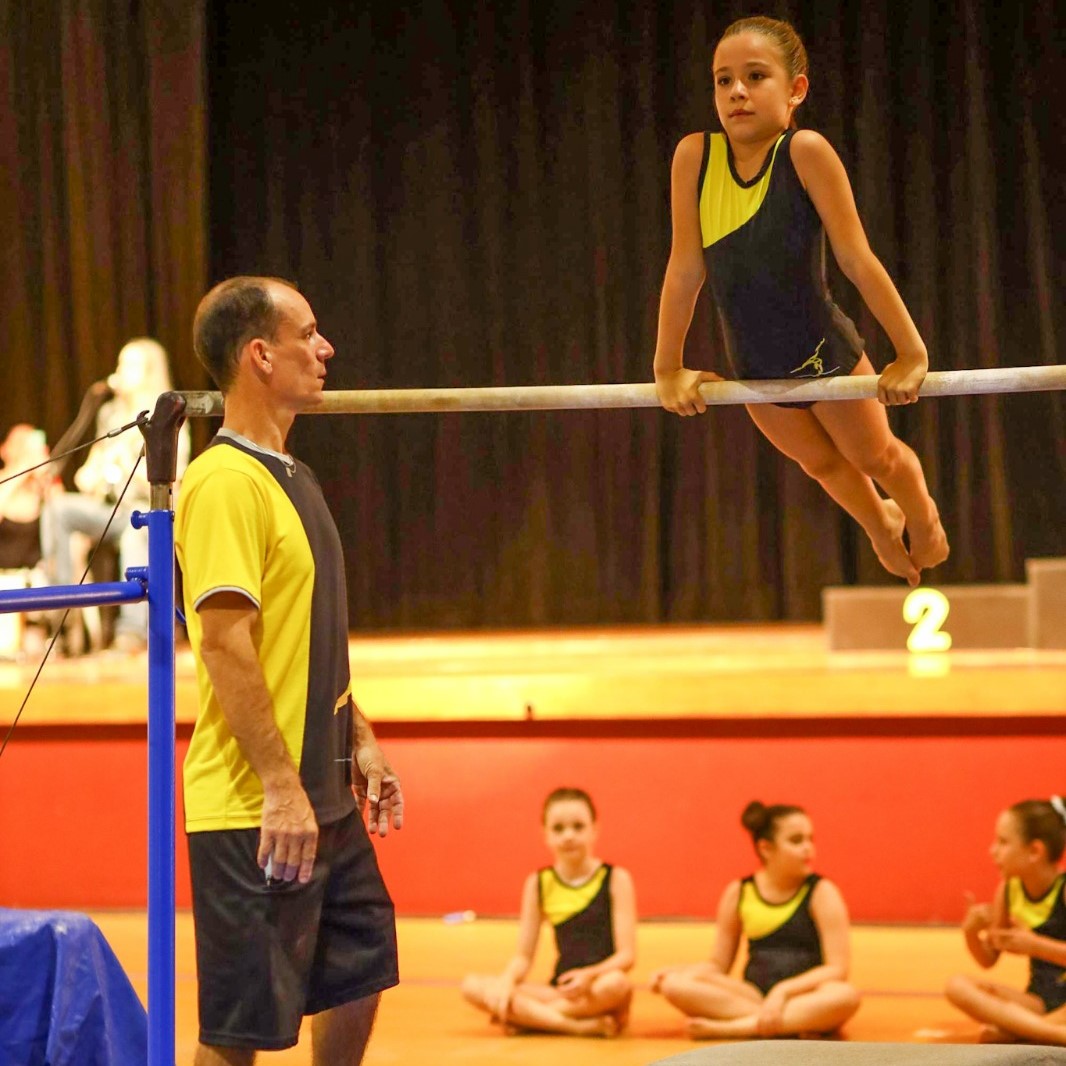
289, 831
728, 931
979, 920
678, 388
726, 942
1022, 941
823, 175
529, 919
1018, 939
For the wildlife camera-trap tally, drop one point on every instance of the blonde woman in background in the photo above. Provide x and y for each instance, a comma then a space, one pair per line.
141, 374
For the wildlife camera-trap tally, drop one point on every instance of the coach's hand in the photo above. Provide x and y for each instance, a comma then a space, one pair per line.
376, 784
289, 833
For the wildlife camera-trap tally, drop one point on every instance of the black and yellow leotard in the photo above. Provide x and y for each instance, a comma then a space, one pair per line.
782, 937
580, 916
764, 246
1045, 917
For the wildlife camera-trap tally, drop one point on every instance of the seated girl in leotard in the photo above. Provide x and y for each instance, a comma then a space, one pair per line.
796, 925
1026, 917
592, 909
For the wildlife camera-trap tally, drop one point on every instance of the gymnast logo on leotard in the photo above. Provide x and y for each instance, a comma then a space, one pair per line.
815, 364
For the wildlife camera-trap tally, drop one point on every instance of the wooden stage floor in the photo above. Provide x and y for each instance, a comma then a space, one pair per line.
735, 671
900, 970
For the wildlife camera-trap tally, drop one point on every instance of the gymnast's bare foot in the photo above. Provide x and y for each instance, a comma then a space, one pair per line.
928, 541
599, 1025
708, 1029
992, 1034
889, 546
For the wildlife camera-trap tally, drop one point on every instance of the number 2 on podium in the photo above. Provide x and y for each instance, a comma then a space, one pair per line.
926, 609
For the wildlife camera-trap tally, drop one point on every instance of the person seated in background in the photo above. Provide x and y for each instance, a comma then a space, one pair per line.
1027, 917
21, 498
141, 374
592, 908
796, 925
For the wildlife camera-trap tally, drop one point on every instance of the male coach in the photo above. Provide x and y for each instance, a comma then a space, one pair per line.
290, 911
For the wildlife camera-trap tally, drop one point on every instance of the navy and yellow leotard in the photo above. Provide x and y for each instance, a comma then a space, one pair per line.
782, 937
1045, 917
580, 916
764, 246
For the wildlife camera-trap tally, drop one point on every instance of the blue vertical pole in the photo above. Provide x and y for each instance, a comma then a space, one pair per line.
161, 435
161, 806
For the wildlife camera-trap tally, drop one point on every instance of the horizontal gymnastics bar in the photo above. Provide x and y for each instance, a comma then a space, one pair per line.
574, 397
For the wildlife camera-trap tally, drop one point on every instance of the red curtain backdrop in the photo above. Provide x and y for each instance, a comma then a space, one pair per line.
102, 179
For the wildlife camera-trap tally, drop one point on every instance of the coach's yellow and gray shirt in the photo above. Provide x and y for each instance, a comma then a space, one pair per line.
255, 522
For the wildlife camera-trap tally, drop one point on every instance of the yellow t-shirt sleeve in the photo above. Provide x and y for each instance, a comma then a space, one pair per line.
223, 537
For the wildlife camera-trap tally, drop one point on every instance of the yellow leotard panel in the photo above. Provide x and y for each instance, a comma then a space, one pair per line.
724, 205
560, 901
1032, 913
759, 918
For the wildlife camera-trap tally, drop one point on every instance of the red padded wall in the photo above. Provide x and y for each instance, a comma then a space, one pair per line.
903, 812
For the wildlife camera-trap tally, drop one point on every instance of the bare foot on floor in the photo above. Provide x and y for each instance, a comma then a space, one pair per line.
889, 546
705, 1029
604, 1025
992, 1034
929, 542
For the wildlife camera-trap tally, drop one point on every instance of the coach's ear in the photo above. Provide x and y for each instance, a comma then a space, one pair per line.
257, 354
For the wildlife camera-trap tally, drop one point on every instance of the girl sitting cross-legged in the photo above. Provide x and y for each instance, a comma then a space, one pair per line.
796, 925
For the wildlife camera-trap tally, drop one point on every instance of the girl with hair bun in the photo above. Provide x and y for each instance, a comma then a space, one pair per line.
592, 908
796, 926
1027, 916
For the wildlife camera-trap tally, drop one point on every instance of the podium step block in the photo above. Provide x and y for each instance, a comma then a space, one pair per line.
929, 619
1047, 603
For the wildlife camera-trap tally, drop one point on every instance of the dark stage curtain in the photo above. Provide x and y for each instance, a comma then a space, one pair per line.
102, 149
476, 194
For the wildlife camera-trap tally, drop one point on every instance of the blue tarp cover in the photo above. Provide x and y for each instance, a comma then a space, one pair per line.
64, 998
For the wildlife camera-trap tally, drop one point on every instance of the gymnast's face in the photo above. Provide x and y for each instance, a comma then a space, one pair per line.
569, 830
791, 852
1009, 850
753, 94
296, 356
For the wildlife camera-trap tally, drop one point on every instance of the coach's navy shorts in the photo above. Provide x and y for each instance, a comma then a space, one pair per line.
266, 955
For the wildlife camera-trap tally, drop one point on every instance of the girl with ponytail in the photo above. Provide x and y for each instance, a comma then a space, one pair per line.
1027, 916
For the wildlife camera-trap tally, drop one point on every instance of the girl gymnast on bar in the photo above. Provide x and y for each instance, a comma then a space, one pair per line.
1027, 916
751, 207
591, 906
796, 925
